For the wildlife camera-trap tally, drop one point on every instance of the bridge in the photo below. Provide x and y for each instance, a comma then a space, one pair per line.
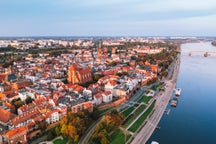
205, 53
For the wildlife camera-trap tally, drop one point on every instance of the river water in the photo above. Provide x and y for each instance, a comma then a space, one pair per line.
193, 121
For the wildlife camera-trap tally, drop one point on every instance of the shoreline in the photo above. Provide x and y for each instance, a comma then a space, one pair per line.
162, 101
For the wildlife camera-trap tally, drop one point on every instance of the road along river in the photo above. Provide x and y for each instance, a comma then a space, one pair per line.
193, 121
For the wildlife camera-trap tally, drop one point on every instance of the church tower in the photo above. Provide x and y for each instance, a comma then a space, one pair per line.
99, 52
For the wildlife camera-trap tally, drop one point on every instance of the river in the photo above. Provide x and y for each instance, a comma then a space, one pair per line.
193, 121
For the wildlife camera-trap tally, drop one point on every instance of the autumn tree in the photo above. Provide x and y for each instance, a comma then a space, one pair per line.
74, 125
108, 123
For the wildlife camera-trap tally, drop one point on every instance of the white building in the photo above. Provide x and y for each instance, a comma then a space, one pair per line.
98, 99
87, 93
110, 86
52, 116
107, 96
25, 94
132, 83
121, 90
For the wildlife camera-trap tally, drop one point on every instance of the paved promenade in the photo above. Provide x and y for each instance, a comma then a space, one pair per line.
161, 104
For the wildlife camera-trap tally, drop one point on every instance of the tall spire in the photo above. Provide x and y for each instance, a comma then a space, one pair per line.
99, 50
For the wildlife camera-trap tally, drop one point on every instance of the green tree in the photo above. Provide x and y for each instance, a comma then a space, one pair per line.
18, 104
28, 100
57, 130
96, 77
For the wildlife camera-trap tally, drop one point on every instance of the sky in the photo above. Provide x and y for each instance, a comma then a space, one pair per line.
107, 17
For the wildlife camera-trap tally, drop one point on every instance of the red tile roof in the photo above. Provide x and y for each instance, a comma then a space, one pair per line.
13, 132
98, 95
5, 116
112, 82
107, 92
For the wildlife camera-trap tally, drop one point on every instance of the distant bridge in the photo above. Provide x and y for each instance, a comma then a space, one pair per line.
205, 53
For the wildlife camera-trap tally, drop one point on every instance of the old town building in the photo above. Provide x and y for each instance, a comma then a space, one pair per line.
78, 74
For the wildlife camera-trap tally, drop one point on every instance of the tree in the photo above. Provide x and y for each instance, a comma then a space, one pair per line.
42, 125
57, 130
18, 104
96, 77
28, 100
50, 135
74, 125
108, 123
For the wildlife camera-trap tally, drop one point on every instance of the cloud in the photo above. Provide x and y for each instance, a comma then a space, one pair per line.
175, 5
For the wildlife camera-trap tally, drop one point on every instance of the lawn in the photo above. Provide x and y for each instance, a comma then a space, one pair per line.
124, 108
118, 137
128, 111
155, 87
134, 115
141, 119
60, 141
144, 99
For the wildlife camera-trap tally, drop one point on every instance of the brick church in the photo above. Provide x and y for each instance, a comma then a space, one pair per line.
78, 74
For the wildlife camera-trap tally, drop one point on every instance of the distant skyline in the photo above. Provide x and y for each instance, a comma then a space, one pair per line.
108, 18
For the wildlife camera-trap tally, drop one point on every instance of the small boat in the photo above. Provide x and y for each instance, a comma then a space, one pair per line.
178, 92
174, 102
154, 142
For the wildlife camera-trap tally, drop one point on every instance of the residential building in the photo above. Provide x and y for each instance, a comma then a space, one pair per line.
5, 116
17, 135
107, 96
82, 106
98, 98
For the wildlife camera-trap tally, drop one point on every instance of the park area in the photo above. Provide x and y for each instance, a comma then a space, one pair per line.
141, 119
118, 137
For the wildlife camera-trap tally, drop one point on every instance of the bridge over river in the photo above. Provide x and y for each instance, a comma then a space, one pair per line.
205, 53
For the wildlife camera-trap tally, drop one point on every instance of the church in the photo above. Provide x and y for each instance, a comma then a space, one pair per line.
78, 74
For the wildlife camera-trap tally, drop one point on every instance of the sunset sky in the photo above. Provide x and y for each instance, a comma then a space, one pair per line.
108, 18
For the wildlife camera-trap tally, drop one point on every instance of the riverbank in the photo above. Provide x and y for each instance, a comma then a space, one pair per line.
193, 120
161, 104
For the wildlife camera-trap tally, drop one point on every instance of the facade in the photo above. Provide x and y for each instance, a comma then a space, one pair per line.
82, 106
78, 74
121, 90
20, 84
107, 97
98, 98
5, 117
52, 116
110, 86
17, 135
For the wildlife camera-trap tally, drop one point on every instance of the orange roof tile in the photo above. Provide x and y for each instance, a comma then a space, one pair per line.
107, 92
15, 131
5, 116
98, 95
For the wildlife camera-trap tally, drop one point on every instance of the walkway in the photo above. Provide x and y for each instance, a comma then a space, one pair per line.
160, 106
